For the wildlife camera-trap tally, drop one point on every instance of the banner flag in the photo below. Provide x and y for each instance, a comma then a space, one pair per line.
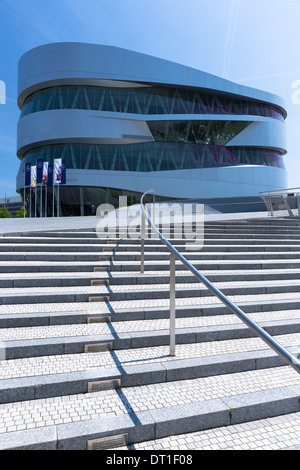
39, 171
50, 176
27, 174
33, 176
57, 170
63, 173
45, 174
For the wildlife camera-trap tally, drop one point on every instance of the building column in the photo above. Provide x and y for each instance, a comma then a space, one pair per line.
81, 202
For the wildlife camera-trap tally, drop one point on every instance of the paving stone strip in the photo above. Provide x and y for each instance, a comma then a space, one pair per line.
69, 409
34, 366
115, 306
161, 287
279, 433
56, 331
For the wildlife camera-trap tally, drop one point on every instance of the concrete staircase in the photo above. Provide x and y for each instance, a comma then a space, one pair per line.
84, 337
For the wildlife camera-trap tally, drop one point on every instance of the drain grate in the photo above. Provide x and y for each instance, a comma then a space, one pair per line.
99, 319
90, 348
100, 298
106, 258
101, 269
104, 385
99, 282
108, 442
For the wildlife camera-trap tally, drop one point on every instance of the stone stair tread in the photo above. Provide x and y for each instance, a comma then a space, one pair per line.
276, 433
15, 248
151, 266
151, 326
204, 320
51, 263
136, 263
123, 254
45, 341
144, 287
294, 241
171, 408
34, 365
49, 382
138, 275
115, 307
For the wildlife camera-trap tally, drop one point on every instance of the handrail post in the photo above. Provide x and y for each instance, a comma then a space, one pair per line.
271, 205
298, 203
153, 215
142, 242
172, 304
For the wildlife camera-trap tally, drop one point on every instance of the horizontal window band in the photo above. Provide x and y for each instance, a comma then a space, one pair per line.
152, 156
144, 100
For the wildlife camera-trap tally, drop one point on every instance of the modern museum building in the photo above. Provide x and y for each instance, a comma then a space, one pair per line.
121, 123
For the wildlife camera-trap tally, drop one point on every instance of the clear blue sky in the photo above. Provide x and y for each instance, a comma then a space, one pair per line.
252, 42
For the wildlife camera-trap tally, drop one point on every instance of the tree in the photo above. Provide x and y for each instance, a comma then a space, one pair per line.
4, 213
20, 212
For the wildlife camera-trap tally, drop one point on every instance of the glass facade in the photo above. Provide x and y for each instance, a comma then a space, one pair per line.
79, 201
153, 156
144, 100
196, 132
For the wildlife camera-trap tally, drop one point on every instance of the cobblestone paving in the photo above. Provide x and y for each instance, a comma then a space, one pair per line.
278, 433
138, 275
73, 330
164, 255
120, 264
148, 287
34, 366
44, 412
89, 245
114, 306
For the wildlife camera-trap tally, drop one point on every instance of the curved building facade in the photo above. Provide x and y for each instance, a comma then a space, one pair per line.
124, 122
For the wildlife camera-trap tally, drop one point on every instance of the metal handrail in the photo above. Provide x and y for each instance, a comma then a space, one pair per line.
278, 348
280, 191
271, 196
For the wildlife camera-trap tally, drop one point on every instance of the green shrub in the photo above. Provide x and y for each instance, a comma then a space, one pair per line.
4, 213
20, 213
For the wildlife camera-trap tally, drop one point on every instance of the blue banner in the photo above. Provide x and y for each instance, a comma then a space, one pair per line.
27, 174
50, 176
39, 171
63, 172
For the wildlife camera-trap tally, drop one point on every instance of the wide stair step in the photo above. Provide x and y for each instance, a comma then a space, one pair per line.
149, 412
277, 433
84, 341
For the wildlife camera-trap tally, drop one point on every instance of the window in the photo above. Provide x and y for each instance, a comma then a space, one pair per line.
153, 156
143, 100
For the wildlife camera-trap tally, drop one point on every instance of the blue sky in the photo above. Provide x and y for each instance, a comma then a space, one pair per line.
252, 42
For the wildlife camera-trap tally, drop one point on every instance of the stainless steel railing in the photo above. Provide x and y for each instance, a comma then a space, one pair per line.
278, 348
283, 199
